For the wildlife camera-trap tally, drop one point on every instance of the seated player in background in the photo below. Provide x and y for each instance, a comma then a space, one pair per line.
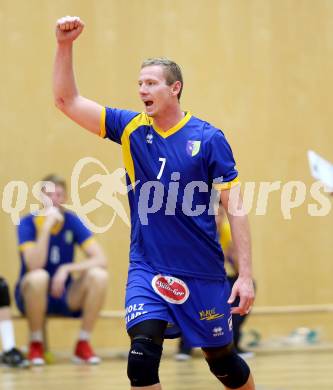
11, 356
46, 285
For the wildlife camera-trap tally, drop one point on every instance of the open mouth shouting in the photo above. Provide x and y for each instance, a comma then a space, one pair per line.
148, 103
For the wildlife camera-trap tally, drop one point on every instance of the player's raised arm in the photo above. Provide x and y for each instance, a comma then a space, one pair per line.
83, 111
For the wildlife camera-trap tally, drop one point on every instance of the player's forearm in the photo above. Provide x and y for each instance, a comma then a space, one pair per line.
36, 257
241, 239
92, 262
64, 86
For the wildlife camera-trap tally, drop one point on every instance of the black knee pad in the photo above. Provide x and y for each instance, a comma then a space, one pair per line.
230, 369
143, 362
4, 293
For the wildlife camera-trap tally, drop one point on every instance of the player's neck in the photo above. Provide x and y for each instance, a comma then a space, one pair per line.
169, 118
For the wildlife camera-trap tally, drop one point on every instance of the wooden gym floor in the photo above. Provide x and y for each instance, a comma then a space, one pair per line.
272, 371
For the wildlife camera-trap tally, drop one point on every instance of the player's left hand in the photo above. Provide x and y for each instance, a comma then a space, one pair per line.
244, 288
58, 282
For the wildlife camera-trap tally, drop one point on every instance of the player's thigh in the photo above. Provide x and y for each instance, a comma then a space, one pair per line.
204, 318
141, 301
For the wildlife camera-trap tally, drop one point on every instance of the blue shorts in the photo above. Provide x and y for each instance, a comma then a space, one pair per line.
55, 306
196, 308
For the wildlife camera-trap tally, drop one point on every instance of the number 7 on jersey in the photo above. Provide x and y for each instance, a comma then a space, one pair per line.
163, 161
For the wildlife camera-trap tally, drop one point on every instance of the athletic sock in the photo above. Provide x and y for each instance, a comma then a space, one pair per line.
37, 336
84, 335
7, 335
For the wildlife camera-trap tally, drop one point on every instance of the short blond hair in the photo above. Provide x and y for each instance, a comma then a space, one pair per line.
56, 180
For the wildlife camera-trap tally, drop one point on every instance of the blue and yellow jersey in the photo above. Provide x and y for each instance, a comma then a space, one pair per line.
64, 236
174, 172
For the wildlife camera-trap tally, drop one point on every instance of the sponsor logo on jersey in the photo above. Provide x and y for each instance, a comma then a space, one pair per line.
217, 331
193, 147
209, 315
172, 289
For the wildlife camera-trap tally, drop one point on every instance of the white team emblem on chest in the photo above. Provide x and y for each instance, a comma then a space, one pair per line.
149, 138
193, 148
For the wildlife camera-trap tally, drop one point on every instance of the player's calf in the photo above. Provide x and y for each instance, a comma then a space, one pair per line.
227, 366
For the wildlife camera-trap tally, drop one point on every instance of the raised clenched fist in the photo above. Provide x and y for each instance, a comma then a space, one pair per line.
68, 28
